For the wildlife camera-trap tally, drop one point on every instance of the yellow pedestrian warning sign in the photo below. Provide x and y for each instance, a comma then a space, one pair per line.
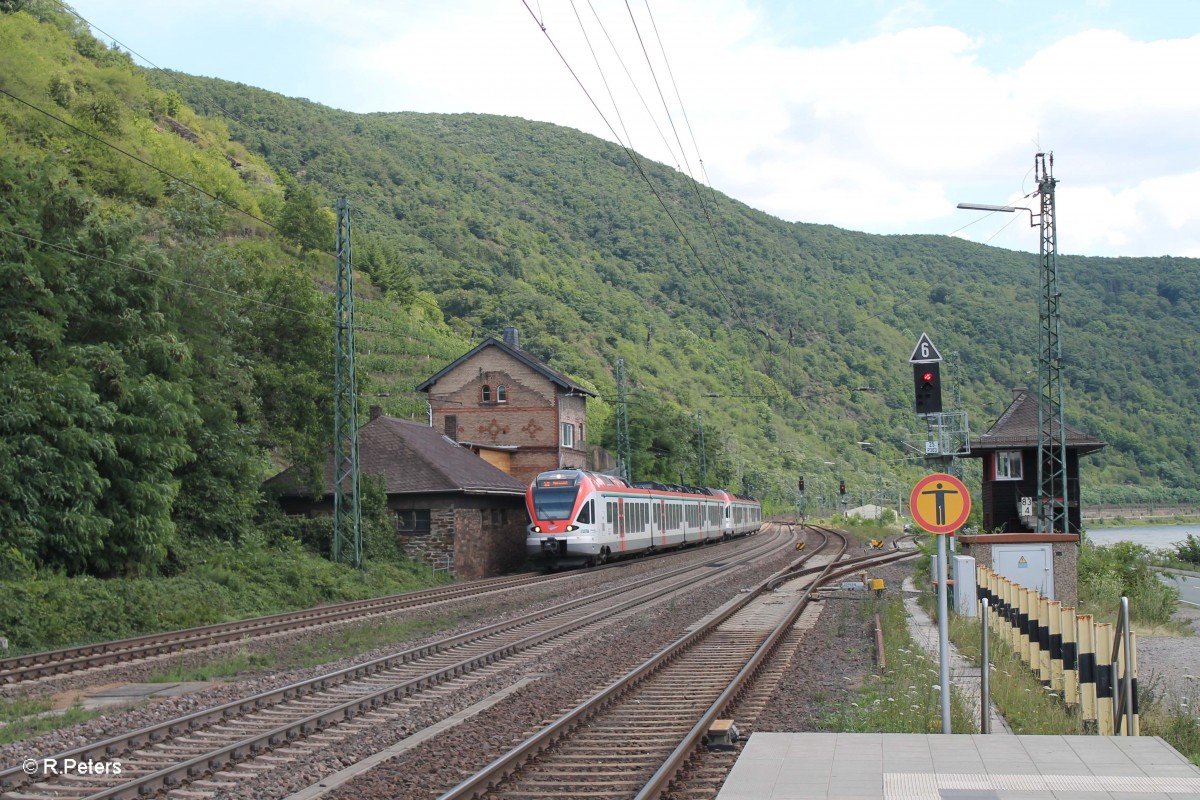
940, 503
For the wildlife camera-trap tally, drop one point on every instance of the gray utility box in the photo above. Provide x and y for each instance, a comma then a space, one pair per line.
1030, 565
962, 572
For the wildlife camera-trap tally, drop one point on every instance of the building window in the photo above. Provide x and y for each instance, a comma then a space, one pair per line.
1008, 465
568, 435
413, 522
581, 439
451, 428
486, 394
501, 394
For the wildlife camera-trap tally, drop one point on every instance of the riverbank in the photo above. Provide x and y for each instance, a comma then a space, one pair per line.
1107, 516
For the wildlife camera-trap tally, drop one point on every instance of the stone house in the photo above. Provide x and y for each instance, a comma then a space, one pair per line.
449, 506
516, 412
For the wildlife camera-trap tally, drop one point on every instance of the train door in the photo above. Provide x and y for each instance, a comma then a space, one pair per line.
662, 520
621, 522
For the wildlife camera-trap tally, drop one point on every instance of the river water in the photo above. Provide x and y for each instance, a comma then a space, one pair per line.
1155, 537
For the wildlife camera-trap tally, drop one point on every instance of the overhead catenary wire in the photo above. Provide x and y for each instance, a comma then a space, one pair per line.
176, 179
225, 112
322, 318
671, 119
734, 308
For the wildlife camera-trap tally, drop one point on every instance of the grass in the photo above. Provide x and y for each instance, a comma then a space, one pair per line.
22, 719
211, 582
350, 640
1020, 697
906, 698
1031, 709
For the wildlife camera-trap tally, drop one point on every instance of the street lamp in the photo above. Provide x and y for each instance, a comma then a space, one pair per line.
1052, 500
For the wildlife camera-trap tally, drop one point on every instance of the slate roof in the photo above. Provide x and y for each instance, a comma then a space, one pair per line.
554, 377
1017, 428
413, 459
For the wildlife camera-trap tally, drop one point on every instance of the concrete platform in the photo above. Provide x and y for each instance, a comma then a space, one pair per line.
902, 766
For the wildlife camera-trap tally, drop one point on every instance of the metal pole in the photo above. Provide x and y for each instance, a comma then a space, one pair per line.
985, 688
1127, 680
943, 633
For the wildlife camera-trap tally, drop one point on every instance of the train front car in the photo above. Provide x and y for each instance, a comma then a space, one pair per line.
562, 530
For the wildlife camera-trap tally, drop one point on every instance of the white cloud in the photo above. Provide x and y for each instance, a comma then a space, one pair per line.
883, 129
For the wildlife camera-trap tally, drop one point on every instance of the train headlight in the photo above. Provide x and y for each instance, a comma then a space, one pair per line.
570, 527
537, 528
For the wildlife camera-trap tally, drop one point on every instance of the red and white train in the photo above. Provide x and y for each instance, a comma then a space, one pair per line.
580, 517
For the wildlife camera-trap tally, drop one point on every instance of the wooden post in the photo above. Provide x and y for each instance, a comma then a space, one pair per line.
1070, 654
1043, 634
1087, 671
1054, 611
1137, 719
1104, 679
1023, 622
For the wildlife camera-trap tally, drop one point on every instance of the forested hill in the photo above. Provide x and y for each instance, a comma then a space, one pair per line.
508, 221
164, 352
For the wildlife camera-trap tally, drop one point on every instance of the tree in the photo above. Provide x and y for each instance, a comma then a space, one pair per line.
304, 221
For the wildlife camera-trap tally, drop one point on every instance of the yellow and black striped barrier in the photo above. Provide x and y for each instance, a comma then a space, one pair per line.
1071, 654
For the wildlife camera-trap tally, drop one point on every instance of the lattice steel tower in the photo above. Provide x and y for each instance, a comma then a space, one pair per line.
1052, 440
623, 454
347, 505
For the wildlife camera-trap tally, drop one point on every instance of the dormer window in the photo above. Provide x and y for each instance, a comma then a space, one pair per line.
501, 394
486, 395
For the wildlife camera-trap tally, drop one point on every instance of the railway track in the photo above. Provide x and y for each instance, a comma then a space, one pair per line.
35, 666
207, 750
633, 738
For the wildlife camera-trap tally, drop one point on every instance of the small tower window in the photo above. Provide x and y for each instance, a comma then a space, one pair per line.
501, 394
1008, 465
487, 393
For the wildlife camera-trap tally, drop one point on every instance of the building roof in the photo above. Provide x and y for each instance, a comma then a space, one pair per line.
412, 459
1017, 428
520, 355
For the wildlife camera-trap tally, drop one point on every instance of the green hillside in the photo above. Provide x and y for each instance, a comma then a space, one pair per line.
166, 265
513, 222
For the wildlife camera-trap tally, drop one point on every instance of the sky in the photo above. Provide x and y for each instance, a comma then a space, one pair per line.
870, 115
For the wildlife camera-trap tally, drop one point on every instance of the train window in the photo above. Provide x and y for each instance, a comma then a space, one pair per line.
485, 394
585, 514
612, 512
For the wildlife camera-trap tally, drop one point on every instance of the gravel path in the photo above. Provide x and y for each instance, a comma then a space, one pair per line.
1169, 666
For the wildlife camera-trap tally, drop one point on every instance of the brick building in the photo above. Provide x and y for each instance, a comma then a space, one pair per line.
449, 506
516, 412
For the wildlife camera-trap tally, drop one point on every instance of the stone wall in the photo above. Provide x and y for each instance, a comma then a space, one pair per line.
490, 542
1064, 551
477, 537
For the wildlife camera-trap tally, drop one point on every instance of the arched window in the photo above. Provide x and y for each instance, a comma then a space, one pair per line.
487, 393
501, 394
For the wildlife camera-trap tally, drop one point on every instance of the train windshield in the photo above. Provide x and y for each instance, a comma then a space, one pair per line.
554, 503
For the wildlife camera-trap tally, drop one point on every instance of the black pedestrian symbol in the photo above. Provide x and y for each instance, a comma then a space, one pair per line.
939, 499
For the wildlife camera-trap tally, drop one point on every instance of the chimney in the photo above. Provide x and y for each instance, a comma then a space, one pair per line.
1018, 391
512, 338
376, 412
